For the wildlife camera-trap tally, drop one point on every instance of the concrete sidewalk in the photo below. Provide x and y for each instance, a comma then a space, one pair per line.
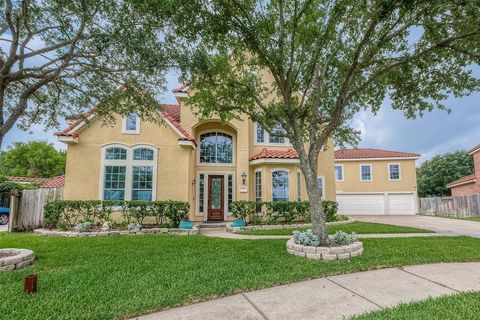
336, 297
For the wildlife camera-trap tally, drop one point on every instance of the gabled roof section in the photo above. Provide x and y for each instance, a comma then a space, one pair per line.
463, 180
169, 112
54, 182
182, 89
26, 179
353, 154
474, 149
275, 154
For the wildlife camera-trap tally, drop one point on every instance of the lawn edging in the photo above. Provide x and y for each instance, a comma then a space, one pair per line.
73, 234
229, 227
325, 253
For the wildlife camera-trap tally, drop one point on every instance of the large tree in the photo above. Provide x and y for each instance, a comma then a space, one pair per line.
37, 159
59, 57
433, 175
325, 60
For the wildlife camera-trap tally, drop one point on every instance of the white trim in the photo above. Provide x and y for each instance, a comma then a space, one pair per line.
67, 139
187, 143
137, 125
371, 171
234, 146
83, 123
266, 139
377, 192
255, 184
129, 163
399, 172
299, 184
375, 159
343, 172
225, 174
462, 183
274, 160
473, 151
181, 94
164, 119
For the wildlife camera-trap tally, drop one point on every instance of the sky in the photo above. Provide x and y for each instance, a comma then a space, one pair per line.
436, 133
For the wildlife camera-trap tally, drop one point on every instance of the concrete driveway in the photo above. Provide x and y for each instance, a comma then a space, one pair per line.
440, 225
3, 227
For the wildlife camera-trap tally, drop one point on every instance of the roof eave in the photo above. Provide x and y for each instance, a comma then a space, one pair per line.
375, 159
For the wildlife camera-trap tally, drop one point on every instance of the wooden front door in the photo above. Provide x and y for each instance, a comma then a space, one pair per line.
215, 198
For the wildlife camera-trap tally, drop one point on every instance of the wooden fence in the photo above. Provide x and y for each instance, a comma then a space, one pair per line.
459, 207
27, 213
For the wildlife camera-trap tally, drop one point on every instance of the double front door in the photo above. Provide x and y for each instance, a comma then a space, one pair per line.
215, 197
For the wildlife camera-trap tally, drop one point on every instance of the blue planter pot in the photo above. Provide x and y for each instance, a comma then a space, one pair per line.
238, 223
184, 224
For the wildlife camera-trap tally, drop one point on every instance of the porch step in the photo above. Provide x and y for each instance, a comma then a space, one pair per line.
212, 225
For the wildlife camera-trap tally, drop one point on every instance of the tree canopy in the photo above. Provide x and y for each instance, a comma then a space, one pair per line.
59, 58
38, 159
310, 65
433, 175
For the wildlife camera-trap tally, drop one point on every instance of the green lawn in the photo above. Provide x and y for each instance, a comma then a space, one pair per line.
121, 276
358, 227
456, 307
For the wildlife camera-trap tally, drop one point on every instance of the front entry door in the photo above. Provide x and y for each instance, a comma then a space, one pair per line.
215, 198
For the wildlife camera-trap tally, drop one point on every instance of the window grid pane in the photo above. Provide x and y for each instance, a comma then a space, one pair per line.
366, 172
394, 172
339, 173
142, 182
299, 186
201, 192
143, 154
260, 133
116, 154
216, 147
280, 186
131, 122
320, 185
258, 186
274, 136
229, 192
114, 183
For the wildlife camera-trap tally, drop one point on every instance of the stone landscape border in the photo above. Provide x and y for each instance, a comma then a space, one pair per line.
21, 258
229, 227
73, 234
325, 253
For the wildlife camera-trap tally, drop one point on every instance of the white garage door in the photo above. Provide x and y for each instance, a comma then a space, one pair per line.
365, 204
401, 203
376, 204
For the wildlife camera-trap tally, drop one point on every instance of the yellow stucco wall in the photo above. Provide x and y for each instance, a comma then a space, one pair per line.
380, 181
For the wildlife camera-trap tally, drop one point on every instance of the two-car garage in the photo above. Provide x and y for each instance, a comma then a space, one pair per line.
393, 203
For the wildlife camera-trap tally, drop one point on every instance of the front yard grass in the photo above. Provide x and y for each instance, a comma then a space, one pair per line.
455, 307
122, 276
358, 227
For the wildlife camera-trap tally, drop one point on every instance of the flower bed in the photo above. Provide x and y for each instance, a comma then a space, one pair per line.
48, 232
229, 227
11, 259
325, 253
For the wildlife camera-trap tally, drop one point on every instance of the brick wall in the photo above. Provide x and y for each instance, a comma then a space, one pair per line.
471, 188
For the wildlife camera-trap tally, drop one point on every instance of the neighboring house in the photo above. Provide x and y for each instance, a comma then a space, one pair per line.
207, 163
49, 183
468, 185
376, 182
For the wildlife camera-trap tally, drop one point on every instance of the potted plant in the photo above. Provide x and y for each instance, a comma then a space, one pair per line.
240, 210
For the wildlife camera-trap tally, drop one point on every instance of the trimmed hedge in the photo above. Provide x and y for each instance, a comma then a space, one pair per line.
65, 214
281, 212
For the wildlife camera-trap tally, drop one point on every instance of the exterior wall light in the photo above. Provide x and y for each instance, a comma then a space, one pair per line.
244, 177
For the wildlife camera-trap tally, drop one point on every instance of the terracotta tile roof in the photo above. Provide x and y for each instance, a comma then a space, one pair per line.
173, 110
170, 118
275, 154
27, 179
476, 148
182, 88
54, 182
371, 154
466, 179
66, 132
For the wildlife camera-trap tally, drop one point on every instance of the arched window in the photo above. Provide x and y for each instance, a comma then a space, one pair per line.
280, 185
142, 154
216, 147
116, 153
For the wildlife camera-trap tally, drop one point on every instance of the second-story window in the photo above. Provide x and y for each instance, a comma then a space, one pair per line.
216, 147
276, 137
366, 172
131, 124
394, 171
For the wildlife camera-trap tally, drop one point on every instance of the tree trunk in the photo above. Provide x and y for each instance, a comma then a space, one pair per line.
319, 226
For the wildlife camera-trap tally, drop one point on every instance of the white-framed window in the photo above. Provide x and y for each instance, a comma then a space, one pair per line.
299, 186
216, 148
229, 192
276, 138
258, 186
201, 193
280, 187
339, 172
366, 172
131, 124
128, 173
394, 171
321, 185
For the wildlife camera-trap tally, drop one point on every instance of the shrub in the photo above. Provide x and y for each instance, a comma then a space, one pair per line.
138, 210
306, 238
83, 227
242, 209
176, 211
330, 208
344, 239
157, 209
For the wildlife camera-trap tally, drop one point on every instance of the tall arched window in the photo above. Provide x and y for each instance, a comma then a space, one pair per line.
216, 147
280, 185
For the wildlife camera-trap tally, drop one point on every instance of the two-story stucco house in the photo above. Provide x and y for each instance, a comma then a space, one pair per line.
376, 182
207, 163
